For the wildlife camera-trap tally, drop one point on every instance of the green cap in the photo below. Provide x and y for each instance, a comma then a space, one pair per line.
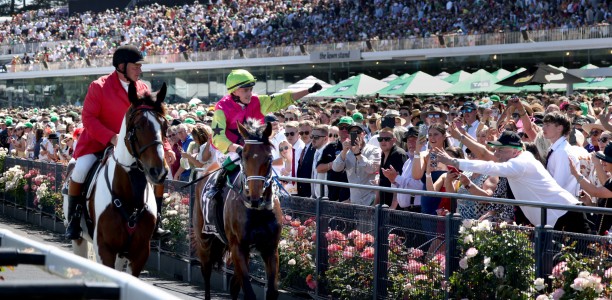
168, 117
53, 118
36, 110
339, 100
391, 100
494, 98
8, 122
357, 117
379, 101
346, 120
190, 121
199, 113
28, 125
585, 108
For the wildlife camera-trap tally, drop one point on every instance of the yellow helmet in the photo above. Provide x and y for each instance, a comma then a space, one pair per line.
239, 78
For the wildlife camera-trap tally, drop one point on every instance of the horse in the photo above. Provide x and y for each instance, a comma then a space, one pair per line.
122, 207
252, 217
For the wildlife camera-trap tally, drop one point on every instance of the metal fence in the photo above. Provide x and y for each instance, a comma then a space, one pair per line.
376, 226
442, 41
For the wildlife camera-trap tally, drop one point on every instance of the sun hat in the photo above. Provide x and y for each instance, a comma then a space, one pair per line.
591, 126
605, 155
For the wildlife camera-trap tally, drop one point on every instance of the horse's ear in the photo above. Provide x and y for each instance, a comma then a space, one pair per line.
268, 131
242, 130
133, 94
161, 94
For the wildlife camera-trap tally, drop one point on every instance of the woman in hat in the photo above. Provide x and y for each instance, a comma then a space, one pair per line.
18, 140
593, 131
604, 193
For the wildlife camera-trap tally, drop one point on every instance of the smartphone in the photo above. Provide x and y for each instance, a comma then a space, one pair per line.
354, 138
387, 122
422, 132
453, 169
433, 159
493, 124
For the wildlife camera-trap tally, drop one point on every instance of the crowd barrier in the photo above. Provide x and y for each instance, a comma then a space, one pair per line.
435, 236
435, 41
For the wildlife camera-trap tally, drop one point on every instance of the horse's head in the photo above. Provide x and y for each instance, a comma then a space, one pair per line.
256, 161
145, 128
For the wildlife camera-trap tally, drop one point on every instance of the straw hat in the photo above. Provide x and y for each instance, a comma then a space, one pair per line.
596, 125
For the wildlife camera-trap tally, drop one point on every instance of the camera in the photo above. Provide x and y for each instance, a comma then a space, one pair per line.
354, 138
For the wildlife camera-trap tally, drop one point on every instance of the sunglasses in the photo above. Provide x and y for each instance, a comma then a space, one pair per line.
283, 148
604, 140
372, 121
289, 119
433, 116
172, 135
290, 133
316, 137
384, 139
343, 127
405, 114
595, 132
304, 132
337, 111
356, 132
467, 110
333, 135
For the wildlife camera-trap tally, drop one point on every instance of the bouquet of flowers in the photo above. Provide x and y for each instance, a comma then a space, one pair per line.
296, 252
43, 187
175, 218
496, 262
13, 181
578, 276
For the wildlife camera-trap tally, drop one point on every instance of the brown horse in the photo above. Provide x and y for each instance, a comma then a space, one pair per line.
123, 207
251, 216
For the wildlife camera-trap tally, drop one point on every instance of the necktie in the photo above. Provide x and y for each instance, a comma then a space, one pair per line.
302, 155
292, 162
548, 156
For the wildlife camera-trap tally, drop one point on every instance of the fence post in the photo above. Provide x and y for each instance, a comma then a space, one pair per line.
541, 232
380, 263
318, 243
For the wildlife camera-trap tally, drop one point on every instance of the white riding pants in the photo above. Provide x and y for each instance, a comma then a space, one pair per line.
82, 166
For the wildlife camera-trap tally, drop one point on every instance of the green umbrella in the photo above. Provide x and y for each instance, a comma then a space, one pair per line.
456, 77
501, 74
416, 84
355, 86
480, 82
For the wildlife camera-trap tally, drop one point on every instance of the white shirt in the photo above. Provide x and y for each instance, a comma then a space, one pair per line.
298, 147
472, 129
529, 181
558, 165
405, 181
316, 188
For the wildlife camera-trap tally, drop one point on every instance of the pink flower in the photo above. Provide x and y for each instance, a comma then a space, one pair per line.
310, 221
296, 223
608, 273
415, 252
558, 270
368, 253
420, 277
368, 238
558, 293
286, 220
471, 252
413, 266
312, 284
26, 187
353, 234
333, 248
349, 252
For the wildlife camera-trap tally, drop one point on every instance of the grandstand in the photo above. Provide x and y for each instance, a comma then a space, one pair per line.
282, 41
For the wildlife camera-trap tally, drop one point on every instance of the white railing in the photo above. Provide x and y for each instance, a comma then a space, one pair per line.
66, 265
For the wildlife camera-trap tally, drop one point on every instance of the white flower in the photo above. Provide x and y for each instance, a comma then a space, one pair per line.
282, 244
463, 263
170, 213
580, 284
291, 262
499, 272
484, 226
487, 262
468, 239
503, 224
583, 274
461, 230
309, 256
542, 297
467, 223
165, 222
539, 284
471, 252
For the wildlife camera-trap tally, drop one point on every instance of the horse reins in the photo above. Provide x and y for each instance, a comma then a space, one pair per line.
132, 140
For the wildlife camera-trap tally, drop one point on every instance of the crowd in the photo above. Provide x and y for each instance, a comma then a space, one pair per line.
545, 148
236, 24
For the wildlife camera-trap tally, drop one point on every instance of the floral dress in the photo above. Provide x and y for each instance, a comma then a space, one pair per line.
472, 209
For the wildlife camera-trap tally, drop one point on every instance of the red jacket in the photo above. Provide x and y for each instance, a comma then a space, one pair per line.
104, 107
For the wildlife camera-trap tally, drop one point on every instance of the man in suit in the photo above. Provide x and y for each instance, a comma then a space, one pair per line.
304, 169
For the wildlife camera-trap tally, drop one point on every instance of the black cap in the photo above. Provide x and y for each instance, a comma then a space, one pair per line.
127, 54
470, 105
175, 122
412, 131
574, 103
269, 118
53, 136
508, 139
358, 125
605, 155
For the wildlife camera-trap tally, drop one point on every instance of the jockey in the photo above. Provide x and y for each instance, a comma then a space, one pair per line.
104, 107
237, 106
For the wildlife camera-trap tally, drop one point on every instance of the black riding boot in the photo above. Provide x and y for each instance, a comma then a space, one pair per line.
75, 207
217, 189
159, 231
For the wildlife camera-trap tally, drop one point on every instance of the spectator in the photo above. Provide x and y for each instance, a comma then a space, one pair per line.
392, 157
320, 140
404, 179
556, 128
329, 155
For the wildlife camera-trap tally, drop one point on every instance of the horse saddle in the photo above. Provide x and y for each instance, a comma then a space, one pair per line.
213, 205
90, 183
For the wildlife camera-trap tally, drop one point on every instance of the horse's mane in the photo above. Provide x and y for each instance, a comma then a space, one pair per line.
255, 130
150, 100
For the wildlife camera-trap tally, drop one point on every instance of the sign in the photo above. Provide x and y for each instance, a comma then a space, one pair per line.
335, 55
523, 79
553, 77
343, 88
480, 84
397, 87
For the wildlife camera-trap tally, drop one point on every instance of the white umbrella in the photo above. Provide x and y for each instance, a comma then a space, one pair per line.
195, 101
304, 84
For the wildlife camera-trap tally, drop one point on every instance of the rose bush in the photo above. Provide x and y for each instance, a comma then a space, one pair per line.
175, 218
296, 253
13, 181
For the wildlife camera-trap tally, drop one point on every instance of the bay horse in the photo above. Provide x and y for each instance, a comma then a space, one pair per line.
252, 217
122, 206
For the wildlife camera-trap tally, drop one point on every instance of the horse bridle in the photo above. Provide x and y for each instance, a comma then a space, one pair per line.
267, 180
131, 138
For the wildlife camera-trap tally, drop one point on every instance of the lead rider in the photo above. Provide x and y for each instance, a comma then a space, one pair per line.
237, 106
104, 107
